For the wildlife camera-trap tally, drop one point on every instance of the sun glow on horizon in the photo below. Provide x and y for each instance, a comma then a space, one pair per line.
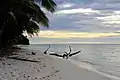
72, 34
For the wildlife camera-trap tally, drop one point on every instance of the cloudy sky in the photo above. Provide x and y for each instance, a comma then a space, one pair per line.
82, 21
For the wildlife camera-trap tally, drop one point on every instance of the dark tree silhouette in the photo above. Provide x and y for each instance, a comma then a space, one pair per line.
19, 16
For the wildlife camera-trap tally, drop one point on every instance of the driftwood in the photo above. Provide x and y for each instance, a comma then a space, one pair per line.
20, 59
55, 54
69, 54
66, 55
74, 53
45, 52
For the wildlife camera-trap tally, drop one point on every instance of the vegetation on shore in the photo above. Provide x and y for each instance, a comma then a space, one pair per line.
19, 16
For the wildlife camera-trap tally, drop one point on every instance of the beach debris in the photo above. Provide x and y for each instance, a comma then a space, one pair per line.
33, 53
55, 54
69, 54
66, 55
21, 59
74, 53
45, 52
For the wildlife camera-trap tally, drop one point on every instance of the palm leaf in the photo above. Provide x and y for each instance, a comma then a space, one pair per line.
12, 18
40, 16
28, 7
22, 18
49, 5
36, 13
32, 28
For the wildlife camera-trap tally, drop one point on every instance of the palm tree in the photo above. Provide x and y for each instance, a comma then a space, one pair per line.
18, 16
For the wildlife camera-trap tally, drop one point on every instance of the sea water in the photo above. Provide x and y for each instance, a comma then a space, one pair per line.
104, 58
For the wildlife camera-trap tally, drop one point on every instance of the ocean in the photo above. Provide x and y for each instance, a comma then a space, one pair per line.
104, 58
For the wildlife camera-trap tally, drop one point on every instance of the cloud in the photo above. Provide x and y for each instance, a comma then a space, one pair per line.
66, 5
117, 12
82, 21
86, 20
94, 4
71, 34
111, 20
85, 16
77, 11
104, 6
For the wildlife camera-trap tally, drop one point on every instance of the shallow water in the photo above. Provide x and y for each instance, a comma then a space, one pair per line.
102, 57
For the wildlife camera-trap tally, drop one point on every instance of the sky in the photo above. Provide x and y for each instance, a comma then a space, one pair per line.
82, 21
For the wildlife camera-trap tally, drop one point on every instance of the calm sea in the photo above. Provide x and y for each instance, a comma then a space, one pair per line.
102, 57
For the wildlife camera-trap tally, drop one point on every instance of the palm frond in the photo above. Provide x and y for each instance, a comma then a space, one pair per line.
40, 16
22, 15
12, 18
49, 5
32, 28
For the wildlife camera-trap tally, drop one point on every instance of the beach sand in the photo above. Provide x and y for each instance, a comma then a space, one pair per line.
44, 67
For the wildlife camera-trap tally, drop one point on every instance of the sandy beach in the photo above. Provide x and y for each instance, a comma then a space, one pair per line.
44, 67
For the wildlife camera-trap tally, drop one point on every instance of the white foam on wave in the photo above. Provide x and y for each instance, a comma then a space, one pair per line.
90, 68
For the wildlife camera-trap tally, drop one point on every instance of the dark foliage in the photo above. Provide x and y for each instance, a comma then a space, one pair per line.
18, 16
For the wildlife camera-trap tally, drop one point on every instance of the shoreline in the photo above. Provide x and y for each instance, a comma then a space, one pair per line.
47, 68
90, 68
99, 75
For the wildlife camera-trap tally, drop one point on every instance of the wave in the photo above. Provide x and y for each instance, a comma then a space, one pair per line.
85, 65
89, 62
